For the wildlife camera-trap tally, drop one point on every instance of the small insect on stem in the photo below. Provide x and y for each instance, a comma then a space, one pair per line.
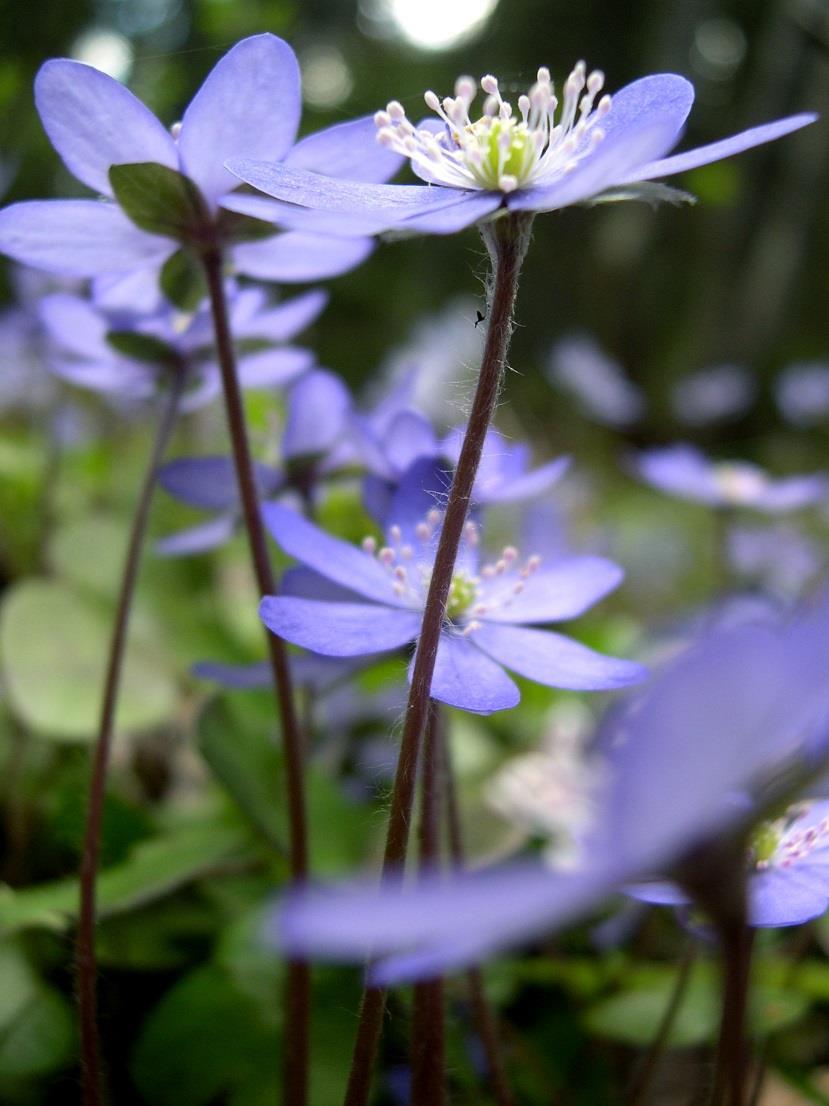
480, 318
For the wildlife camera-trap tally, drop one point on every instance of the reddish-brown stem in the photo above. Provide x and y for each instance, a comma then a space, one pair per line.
428, 1046
482, 1012
507, 240
86, 967
297, 1003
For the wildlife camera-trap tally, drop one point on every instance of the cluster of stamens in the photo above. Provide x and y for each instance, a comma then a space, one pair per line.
471, 597
501, 151
778, 844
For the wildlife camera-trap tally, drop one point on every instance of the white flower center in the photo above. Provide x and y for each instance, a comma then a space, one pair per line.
739, 482
500, 151
784, 841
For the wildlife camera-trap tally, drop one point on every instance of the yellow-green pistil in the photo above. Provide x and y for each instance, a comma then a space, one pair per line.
462, 594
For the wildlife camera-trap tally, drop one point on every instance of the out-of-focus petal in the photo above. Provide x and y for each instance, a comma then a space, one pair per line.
210, 482
271, 368
283, 322
94, 122
72, 322
198, 539
317, 411
248, 107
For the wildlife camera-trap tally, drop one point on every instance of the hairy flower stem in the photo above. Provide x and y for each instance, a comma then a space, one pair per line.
506, 240
428, 1045
297, 1002
643, 1079
86, 967
482, 1012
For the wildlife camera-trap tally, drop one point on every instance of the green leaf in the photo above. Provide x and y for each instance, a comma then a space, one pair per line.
53, 649
142, 347
650, 192
41, 1039
205, 1040
90, 551
244, 758
183, 281
154, 868
235, 227
158, 199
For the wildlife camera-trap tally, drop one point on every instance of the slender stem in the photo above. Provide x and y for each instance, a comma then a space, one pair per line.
428, 1044
298, 982
641, 1084
507, 240
483, 1014
86, 969
731, 1069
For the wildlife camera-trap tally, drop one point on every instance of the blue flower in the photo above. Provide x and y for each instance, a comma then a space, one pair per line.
802, 393
543, 157
736, 714
683, 471
492, 611
249, 106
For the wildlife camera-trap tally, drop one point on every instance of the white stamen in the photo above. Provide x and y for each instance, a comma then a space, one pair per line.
369, 544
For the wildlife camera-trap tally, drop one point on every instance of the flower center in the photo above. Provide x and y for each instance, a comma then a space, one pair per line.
783, 841
501, 151
463, 592
739, 482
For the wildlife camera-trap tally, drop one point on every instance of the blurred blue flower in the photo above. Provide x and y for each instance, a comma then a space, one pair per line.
713, 395
249, 106
580, 366
127, 356
802, 392
529, 162
490, 609
734, 715
684, 471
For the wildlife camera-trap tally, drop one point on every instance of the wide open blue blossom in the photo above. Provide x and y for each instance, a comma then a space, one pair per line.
734, 715
127, 356
684, 471
248, 106
492, 613
542, 158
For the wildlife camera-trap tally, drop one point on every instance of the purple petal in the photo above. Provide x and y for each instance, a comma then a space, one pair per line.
248, 107
198, 539
385, 202
290, 217
136, 292
349, 150
658, 893
115, 377
793, 494
716, 151
422, 488
283, 322
474, 207
94, 122
76, 326
554, 660
466, 679
240, 677
78, 238
210, 482
304, 583
787, 897
294, 258
680, 470
317, 411
409, 437
643, 123
337, 560
529, 485
564, 589
448, 922
338, 629
271, 368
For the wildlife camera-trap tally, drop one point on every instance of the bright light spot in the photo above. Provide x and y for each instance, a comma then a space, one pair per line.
435, 24
105, 50
719, 48
326, 78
